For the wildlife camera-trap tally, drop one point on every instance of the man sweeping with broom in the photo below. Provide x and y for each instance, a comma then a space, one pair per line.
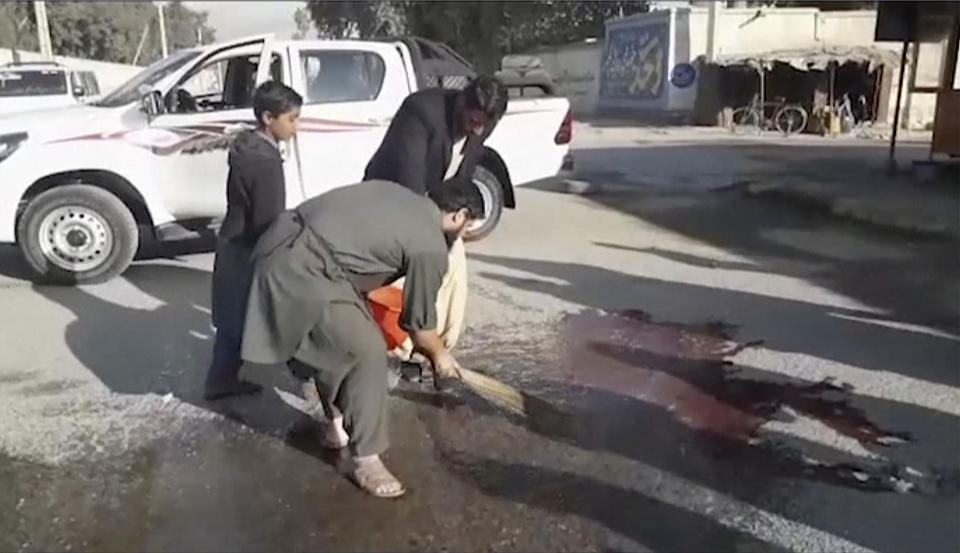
308, 308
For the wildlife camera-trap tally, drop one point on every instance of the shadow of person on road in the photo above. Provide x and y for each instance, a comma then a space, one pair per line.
149, 332
650, 522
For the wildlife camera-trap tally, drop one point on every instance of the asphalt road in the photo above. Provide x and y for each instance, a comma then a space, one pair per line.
708, 371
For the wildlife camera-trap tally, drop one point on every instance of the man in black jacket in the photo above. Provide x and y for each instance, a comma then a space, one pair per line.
418, 146
256, 194
416, 153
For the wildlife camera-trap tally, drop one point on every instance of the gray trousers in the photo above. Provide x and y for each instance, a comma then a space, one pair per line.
355, 382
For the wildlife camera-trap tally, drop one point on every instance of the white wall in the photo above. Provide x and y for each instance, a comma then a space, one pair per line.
743, 31
682, 99
110, 75
573, 68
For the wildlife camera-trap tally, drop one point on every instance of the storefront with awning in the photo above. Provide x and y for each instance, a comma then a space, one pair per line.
820, 78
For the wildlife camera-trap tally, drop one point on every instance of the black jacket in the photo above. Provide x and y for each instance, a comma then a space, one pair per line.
256, 192
416, 150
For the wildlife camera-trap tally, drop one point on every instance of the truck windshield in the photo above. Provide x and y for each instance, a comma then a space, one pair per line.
129, 92
32, 82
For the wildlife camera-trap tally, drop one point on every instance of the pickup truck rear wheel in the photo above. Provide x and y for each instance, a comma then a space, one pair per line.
491, 190
77, 234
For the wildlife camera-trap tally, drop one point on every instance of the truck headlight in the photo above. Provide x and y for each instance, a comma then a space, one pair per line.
9, 144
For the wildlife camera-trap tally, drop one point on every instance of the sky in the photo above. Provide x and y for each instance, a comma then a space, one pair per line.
238, 19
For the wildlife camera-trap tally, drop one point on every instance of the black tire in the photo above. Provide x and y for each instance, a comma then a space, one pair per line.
492, 191
107, 233
745, 120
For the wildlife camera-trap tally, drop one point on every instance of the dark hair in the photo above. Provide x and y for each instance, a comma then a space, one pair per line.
487, 94
456, 194
275, 98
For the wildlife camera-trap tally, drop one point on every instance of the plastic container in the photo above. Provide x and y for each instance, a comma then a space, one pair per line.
386, 304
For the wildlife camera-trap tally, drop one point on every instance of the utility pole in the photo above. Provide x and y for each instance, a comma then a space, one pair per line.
143, 39
43, 30
163, 31
713, 24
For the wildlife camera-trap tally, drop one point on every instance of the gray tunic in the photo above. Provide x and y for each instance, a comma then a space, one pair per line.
333, 249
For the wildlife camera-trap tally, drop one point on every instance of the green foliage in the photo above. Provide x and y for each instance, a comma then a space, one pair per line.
17, 28
107, 31
482, 31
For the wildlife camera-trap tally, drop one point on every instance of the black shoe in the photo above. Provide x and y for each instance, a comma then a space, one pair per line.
411, 372
239, 388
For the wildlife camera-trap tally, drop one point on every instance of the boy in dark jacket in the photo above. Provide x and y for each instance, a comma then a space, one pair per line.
256, 195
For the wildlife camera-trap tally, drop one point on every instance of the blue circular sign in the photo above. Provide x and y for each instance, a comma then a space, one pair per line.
683, 75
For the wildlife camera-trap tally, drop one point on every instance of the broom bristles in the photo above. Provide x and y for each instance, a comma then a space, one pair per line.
494, 391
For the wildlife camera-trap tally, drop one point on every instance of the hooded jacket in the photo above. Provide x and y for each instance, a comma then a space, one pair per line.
256, 191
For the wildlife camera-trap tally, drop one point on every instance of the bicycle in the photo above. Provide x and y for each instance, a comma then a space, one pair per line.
842, 111
787, 118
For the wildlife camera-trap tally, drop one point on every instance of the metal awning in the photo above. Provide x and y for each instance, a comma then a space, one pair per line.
817, 57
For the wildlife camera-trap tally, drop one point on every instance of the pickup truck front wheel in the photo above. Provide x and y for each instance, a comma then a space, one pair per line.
491, 190
77, 234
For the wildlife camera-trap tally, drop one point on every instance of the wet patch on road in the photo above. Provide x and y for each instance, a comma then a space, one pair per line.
605, 378
686, 370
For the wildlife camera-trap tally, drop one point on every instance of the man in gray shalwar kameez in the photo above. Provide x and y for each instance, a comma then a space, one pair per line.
307, 307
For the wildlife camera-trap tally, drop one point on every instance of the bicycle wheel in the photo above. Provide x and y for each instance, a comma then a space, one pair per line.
745, 120
791, 120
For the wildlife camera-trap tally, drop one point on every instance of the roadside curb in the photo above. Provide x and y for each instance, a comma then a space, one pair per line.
848, 208
579, 187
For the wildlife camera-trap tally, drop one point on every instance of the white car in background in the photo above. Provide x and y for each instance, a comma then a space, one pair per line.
33, 86
80, 187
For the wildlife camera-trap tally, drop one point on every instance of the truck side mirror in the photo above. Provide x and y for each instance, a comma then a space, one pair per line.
79, 91
151, 103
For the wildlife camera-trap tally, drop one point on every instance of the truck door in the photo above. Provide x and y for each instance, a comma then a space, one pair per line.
350, 91
208, 104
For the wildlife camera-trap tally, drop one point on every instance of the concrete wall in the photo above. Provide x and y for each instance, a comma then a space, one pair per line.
739, 30
573, 68
636, 61
110, 75
682, 99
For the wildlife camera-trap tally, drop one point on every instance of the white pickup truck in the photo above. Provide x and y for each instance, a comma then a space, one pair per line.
44, 85
82, 187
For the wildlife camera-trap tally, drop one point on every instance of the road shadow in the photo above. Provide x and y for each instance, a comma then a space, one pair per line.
846, 336
678, 162
648, 521
914, 279
162, 344
686, 258
14, 266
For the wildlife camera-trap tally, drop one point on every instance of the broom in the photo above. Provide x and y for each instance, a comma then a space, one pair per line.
386, 303
496, 392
